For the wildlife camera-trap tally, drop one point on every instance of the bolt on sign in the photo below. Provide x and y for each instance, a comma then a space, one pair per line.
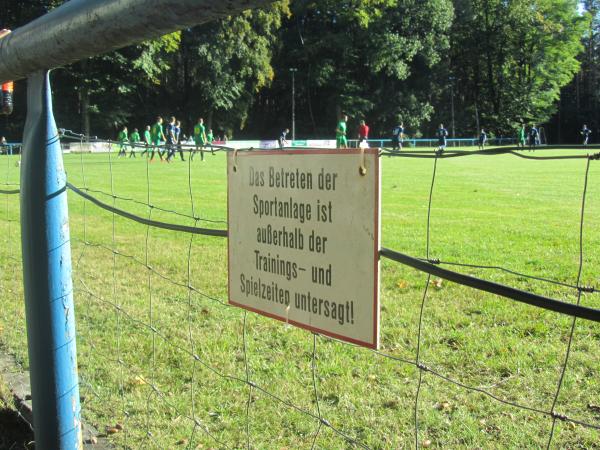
304, 239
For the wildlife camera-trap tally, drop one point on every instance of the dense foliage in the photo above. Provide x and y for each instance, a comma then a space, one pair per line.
498, 62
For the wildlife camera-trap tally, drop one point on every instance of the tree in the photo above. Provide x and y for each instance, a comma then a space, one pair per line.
371, 59
580, 99
221, 66
511, 58
107, 88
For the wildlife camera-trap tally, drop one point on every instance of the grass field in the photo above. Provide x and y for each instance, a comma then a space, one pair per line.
490, 210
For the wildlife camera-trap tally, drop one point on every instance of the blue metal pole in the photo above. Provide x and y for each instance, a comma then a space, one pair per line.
47, 276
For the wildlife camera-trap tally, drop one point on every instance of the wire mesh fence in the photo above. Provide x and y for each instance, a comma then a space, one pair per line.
498, 357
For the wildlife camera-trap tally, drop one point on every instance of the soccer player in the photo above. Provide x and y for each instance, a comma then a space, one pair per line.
283, 138
177, 139
585, 132
147, 140
200, 139
482, 139
157, 138
340, 133
210, 138
397, 136
521, 136
123, 141
171, 141
533, 137
363, 133
442, 135
134, 142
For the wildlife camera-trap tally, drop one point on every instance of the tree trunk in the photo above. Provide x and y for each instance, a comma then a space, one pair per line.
84, 101
310, 108
209, 120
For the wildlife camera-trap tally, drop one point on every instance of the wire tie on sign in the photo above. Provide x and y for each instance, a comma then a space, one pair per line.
235, 152
362, 170
287, 314
196, 357
434, 261
252, 383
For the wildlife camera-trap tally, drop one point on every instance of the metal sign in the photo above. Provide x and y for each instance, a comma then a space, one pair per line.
304, 239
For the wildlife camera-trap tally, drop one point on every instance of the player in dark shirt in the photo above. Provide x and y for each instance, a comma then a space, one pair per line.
482, 139
534, 136
586, 132
171, 139
397, 137
283, 138
442, 135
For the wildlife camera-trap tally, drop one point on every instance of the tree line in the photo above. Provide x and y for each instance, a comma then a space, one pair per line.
469, 64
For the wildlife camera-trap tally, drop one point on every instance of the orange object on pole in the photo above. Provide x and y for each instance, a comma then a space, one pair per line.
6, 95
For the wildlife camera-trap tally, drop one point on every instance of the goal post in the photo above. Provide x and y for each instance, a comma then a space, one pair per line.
47, 279
76, 30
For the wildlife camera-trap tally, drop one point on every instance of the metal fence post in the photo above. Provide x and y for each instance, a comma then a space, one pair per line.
47, 276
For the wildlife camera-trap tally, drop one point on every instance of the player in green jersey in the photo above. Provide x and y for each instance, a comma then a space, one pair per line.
340, 133
521, 137
123, 141
210, 138
134, 141
147, 140
157, 137
200, 138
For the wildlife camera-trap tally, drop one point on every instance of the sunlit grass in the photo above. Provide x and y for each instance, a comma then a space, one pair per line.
490, 210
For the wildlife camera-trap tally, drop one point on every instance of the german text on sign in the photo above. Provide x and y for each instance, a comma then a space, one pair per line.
304, 239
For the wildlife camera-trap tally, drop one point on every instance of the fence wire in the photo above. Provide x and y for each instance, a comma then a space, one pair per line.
138, 426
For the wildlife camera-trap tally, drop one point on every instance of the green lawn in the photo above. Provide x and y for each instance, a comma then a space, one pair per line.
139, 328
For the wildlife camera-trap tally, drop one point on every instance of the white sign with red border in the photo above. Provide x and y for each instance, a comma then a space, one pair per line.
304, 230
